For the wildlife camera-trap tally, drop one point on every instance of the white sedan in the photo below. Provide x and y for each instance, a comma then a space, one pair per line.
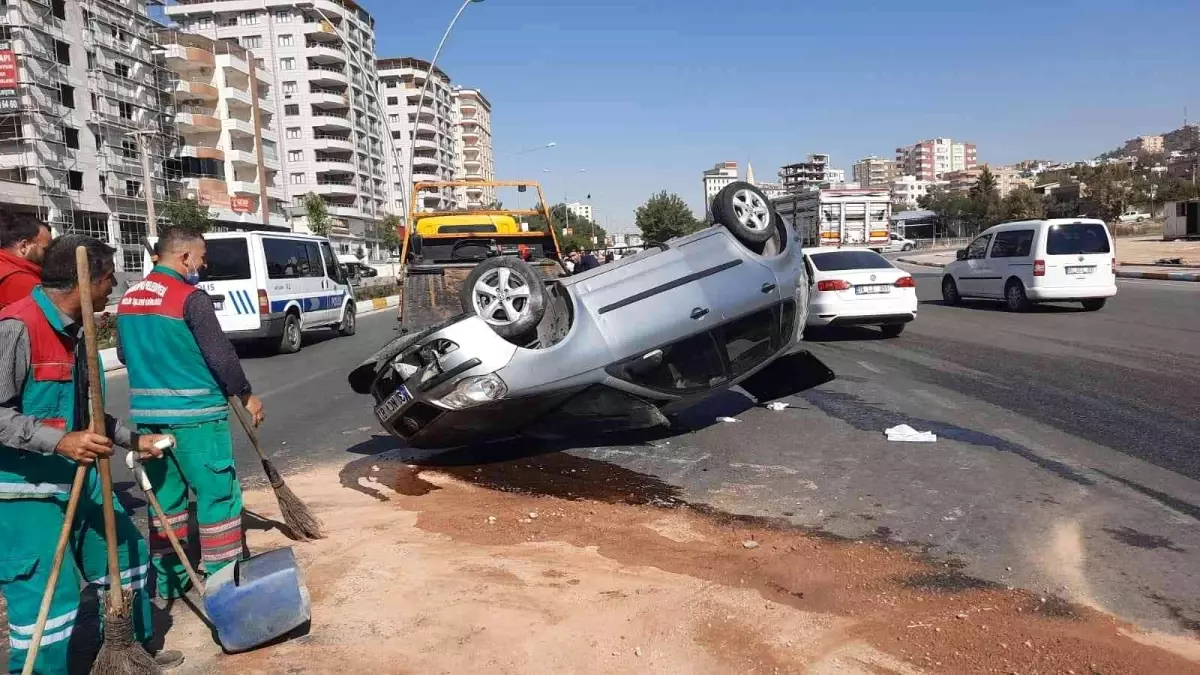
858, 287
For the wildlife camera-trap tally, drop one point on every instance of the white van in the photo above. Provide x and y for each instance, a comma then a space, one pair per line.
1025, 262
268, 287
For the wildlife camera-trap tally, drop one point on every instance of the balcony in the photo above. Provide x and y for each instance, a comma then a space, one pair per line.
327, 76
206, 190
235, 62
236, 126
473, 175
324, 52
328, 97
182, 59
335, 189
243, 157
239, 96
320, 30
202, 152
426, 161
332, 142
199, 121
334, 164
324, 119
244, 188
195, 90
423, 177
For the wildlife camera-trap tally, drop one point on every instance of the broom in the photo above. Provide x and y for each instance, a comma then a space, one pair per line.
64, 536
303, 524
120, 654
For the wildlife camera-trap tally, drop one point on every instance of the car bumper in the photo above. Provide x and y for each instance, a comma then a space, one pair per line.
270, 327
873, 314
1067, 293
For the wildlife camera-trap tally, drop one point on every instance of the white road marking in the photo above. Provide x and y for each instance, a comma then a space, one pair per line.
764, 468
870, 367
944, 402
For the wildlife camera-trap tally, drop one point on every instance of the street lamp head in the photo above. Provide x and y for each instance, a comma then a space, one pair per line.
551, 144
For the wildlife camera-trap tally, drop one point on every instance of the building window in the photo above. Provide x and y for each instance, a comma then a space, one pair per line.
229, 21
289, 87
66, 95
125, 109
75, 180
58, 8
291, 109
133, 188
394, 119
250, 18
122, 70
285, 40
259, 64
62, 52
252, 41
129, 148
71, 136
297, 179
293, 132
204, 23
295, 155
393, 100
287, 63
283, 16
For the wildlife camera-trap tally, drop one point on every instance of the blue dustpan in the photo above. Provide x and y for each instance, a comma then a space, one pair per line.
257, 600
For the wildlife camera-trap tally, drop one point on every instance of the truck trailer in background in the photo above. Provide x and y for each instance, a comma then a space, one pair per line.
839, 216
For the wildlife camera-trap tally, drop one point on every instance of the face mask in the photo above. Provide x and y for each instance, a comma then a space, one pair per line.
193, 276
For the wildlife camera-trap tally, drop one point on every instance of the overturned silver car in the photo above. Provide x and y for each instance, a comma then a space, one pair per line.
619, 347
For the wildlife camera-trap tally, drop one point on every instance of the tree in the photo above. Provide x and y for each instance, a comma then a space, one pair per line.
390, 234
582, 229
1107, 191
1022, 204
984, 197
665, 216
318, 214
189, 213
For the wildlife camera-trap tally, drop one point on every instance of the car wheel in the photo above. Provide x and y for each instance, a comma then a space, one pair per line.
907, 247
289, 342
507, 293
1140, 219
1094, 304
950, 294
349, 323
746, 212
892, 330
1014, 296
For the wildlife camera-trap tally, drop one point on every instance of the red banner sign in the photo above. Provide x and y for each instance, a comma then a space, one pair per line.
242, 204
8, 69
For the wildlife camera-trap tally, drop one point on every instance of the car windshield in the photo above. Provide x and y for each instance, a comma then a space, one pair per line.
226, 260
1077, 238
835, 261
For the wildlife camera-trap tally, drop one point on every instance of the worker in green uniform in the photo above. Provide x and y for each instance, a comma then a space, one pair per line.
181, 369
44, 417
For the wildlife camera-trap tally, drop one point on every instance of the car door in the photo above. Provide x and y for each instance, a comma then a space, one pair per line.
1010, 257
976, 272
734, 281
338, 287
294, 273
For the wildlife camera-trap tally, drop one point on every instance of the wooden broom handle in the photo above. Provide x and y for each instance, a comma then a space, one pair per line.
96, 400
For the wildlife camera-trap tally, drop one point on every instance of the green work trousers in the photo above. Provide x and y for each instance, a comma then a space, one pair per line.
201, 464
29, 531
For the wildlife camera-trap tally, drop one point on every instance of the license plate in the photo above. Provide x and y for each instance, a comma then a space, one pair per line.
392, 404
872, 289
1087, 269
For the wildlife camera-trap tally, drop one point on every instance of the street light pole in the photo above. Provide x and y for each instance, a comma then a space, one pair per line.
412, 136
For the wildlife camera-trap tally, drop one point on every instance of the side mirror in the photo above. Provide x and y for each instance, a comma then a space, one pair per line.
961, 254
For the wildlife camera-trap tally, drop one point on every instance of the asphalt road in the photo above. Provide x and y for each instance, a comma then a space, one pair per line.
1066, 459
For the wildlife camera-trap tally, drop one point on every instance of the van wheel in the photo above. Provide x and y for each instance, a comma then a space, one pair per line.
745, 211
289, 342
1093, 304
950, 294
349, 322
508, 294
1014, 297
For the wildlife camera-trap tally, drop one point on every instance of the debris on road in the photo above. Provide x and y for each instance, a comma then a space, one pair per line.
907, 434
749, 543
728, 419
777, 406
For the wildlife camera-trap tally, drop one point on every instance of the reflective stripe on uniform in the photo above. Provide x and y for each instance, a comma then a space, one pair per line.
171, 392
51, 624
47, 639
126, 575
198, 412
35, 488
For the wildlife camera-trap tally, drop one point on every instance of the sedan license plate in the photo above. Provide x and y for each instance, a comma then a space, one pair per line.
218, 305
1082, 269
872, 289
392, 404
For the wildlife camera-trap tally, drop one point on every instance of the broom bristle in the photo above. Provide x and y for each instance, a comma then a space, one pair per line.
121, 654
296, 515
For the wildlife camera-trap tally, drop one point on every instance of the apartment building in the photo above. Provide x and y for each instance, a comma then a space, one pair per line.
1009, 178
581, 210
810, 174
931, 159
332, 143
908, 190
874, 172
473, 158
433, 150
1149, 144
79, 79
722, 174
227, 157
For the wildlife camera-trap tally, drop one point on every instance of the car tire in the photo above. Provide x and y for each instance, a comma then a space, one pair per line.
289, 341
907, 247
1140, 219
950, 295
349, 324
891, 330
746, 212
1093, 304
524, 295
1015, 299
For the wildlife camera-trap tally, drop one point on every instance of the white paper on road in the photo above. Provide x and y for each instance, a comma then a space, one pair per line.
905, 433
777, 405
728, 419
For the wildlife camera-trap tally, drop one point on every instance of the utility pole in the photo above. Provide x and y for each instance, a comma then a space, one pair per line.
147, 181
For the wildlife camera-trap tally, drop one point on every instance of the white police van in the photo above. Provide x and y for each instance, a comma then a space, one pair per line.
268, 287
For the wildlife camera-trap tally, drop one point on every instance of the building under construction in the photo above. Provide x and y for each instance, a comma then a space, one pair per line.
83, 93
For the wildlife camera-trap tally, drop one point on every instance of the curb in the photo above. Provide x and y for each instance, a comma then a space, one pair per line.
1121, 274
110, 362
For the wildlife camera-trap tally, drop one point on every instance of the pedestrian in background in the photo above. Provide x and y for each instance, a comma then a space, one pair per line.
181, 369
23, 242
587, 262
44, 417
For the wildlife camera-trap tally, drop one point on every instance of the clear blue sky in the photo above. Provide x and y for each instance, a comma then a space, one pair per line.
647, 94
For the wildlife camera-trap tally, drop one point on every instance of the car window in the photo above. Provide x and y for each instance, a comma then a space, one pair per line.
1077, 238
749, 341
978, 247
316, 268
1012, 244
226, 260
834, 261
291, 259
689, 365
458, 229
332, 269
